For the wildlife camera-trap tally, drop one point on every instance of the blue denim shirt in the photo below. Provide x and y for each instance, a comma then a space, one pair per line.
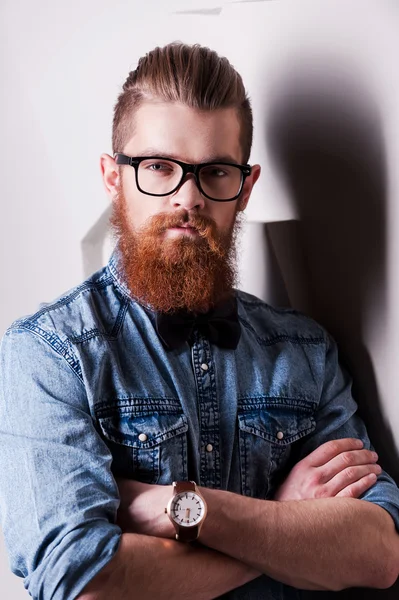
82, 378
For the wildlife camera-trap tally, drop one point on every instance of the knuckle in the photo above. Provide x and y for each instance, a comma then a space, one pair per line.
334, 446
350, 473
348, 458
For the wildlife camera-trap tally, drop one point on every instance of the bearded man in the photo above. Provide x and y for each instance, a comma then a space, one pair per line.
163, 434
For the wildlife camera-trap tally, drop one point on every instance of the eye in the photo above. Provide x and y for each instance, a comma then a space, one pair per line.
158, 167
215, 172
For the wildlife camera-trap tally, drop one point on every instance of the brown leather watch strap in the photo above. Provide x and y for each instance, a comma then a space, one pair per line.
184, 486
187, 534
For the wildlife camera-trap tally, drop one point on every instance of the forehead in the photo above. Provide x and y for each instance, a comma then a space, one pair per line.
186, 133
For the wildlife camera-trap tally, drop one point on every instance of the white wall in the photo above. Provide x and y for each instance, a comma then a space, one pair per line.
323, 223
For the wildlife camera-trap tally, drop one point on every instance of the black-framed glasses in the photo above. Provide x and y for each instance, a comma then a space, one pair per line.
160, 176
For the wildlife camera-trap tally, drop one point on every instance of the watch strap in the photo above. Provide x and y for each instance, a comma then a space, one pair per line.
184, 486
187, 534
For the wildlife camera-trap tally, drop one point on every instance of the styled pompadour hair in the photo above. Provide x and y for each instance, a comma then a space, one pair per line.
191, 75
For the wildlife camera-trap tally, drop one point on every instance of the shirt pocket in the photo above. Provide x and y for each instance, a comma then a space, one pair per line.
148, 440
269, 430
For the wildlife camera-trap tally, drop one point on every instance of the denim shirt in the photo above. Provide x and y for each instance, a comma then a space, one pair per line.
85, 377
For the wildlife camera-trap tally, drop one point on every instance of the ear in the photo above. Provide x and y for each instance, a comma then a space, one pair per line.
248, 185
110, 175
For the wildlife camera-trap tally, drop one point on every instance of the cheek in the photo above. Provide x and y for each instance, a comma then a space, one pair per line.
136, 215
134, 201
224, 215
141, 207
142, 210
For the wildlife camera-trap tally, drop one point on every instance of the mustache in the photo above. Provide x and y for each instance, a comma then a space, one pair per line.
158, 224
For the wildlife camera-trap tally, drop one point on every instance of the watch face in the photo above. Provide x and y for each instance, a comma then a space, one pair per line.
187, 509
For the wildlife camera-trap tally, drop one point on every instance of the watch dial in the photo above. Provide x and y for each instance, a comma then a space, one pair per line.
187, 509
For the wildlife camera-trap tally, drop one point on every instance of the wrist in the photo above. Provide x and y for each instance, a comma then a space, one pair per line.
211, 524
165, 528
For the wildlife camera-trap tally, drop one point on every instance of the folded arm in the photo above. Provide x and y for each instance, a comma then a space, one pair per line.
323, 544
326, 544
146, 566
313, 544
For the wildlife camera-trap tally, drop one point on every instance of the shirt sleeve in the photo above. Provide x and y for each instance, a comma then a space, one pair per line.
337, 418
58, 497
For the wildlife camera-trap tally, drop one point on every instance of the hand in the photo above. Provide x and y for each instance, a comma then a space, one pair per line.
142, 508
337, 468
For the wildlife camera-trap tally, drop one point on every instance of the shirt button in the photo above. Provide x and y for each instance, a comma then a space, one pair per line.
143, 437
209, 448
280, 435
204, 367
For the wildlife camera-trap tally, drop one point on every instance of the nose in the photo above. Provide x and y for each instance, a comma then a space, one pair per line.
188, 195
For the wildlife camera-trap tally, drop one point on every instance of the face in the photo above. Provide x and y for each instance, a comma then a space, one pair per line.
189, 135
177, 251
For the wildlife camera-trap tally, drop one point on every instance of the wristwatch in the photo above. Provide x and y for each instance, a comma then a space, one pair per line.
187, 510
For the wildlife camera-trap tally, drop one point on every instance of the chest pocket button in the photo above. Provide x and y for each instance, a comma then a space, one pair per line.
157, 456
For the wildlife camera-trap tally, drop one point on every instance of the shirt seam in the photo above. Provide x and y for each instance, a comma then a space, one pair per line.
55, 344
295, 339
65, 300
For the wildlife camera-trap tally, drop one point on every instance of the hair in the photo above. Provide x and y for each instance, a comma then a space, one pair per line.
191, 75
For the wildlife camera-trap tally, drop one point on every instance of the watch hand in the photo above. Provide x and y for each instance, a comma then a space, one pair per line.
187, 513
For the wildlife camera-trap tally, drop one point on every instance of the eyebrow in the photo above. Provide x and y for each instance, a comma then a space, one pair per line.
209, 159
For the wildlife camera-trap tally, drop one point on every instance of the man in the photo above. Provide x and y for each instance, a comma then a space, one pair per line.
155, 370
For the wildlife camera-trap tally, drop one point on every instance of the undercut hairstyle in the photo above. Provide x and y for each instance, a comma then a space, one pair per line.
194, 76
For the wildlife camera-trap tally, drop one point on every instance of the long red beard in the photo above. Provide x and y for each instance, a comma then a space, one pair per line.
180, 273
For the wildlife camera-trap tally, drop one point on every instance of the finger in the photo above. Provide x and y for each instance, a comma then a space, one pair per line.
348, 477
330, 449
356, 489
344, 460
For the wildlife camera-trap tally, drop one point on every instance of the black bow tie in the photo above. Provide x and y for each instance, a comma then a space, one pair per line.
220, 325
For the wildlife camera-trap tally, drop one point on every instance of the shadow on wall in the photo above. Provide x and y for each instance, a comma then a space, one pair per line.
326, 141
97, 244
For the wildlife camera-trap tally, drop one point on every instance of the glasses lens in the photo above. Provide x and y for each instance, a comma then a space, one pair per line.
158, 176
221, 182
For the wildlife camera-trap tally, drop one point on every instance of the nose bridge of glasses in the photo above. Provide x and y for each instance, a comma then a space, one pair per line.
187, 195
188, 170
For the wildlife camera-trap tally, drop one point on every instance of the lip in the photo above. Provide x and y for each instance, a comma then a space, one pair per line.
185, 226
183, 230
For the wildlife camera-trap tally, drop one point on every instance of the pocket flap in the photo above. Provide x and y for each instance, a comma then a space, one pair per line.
278, 424
144, 431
